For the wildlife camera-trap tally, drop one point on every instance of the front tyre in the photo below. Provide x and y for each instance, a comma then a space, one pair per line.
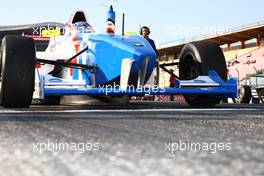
18, 59
197, 59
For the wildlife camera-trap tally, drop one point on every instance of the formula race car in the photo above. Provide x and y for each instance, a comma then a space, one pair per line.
77, 61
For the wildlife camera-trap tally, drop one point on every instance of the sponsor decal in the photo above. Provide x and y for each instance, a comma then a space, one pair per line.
50, 33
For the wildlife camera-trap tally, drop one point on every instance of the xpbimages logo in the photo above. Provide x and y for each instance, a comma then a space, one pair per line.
80, 147
173, 147
48, 30
146, 89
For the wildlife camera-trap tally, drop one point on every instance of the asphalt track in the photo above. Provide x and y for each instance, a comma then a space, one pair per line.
141, 139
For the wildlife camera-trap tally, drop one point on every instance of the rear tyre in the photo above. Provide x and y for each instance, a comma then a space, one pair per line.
52, 100
244, 94
197, 59
17, 71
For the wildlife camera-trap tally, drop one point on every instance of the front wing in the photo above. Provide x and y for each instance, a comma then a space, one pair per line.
211, 85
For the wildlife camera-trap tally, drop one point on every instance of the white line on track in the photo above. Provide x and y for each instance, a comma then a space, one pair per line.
6, 111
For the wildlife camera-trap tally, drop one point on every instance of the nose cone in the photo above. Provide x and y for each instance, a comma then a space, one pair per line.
111, 52
145, 58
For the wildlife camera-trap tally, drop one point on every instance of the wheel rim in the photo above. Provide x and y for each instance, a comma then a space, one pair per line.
240, 93
190, 68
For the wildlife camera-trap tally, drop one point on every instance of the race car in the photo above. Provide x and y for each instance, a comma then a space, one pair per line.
78, 61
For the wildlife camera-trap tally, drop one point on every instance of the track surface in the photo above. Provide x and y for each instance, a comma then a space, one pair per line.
131, 140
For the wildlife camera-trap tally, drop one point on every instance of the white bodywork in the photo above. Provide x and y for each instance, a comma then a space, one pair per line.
62, 48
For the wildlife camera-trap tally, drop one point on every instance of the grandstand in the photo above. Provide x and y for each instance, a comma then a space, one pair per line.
243, 49
247, 64
237, 53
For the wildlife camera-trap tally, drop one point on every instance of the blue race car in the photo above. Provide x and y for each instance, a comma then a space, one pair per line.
77, 61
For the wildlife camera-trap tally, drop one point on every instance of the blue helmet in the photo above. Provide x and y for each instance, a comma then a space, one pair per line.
83, 27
